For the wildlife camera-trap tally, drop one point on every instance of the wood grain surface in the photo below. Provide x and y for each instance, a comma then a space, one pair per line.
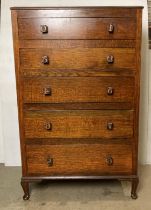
79, 124
30, 12
101, 43
82, 159
77, 28
78, 89
78, 58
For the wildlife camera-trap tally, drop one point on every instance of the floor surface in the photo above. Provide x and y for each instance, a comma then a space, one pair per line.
74, 195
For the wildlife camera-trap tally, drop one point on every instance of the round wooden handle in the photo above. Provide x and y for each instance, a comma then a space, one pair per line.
47, 91
45, 59
48, 126
111, 28
109, 160
49, 161
110, 91
110, 59
44, 29
110, 126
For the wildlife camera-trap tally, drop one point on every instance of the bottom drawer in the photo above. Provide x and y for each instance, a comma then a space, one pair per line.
79, 159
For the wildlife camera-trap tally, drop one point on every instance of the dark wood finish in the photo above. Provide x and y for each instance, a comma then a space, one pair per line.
78, 58
79, 159
25, 186
79, 106
134, 188
76, 28
39, 178
78, 72
79, 124
58, 141
78, 81
76, 44
19, 91
79, 89
137, 90
26, 12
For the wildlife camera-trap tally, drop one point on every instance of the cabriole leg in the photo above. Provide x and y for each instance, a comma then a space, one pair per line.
25, 186
134, 188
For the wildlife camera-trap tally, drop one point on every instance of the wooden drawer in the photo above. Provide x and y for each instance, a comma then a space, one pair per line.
79, 159
78, 58
78, 89
77, 28
78, 124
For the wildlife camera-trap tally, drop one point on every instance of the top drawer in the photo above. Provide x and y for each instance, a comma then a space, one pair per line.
77, 28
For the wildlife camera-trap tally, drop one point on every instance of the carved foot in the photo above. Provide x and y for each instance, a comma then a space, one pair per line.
25, 186
26, 197
133, 196
134, 188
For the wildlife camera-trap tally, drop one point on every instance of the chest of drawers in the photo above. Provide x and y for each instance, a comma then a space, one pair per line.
77, 76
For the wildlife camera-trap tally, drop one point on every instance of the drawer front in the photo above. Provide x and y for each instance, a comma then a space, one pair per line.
78, 58
77, 28
79, 124
79, 159
78, 89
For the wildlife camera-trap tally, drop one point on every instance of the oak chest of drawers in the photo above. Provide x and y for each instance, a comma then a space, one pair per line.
77, 74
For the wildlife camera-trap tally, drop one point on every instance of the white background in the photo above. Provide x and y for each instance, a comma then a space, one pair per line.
9, 137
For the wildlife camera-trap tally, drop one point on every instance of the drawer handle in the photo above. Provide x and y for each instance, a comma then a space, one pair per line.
47, 91
49, 161
48, 126
109, 160
110, 59
111, 28
44, 29
110, 126
110, 91
45, 59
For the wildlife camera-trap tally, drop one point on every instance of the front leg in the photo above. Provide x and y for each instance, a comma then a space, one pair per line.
25, 186
134, 188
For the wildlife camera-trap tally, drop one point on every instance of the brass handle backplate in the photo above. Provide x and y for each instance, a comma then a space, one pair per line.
44, 29
111, 28
110, 91
47, 91
110, 59
110, 126
109, 160
45, 59
48, 126
49, 161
